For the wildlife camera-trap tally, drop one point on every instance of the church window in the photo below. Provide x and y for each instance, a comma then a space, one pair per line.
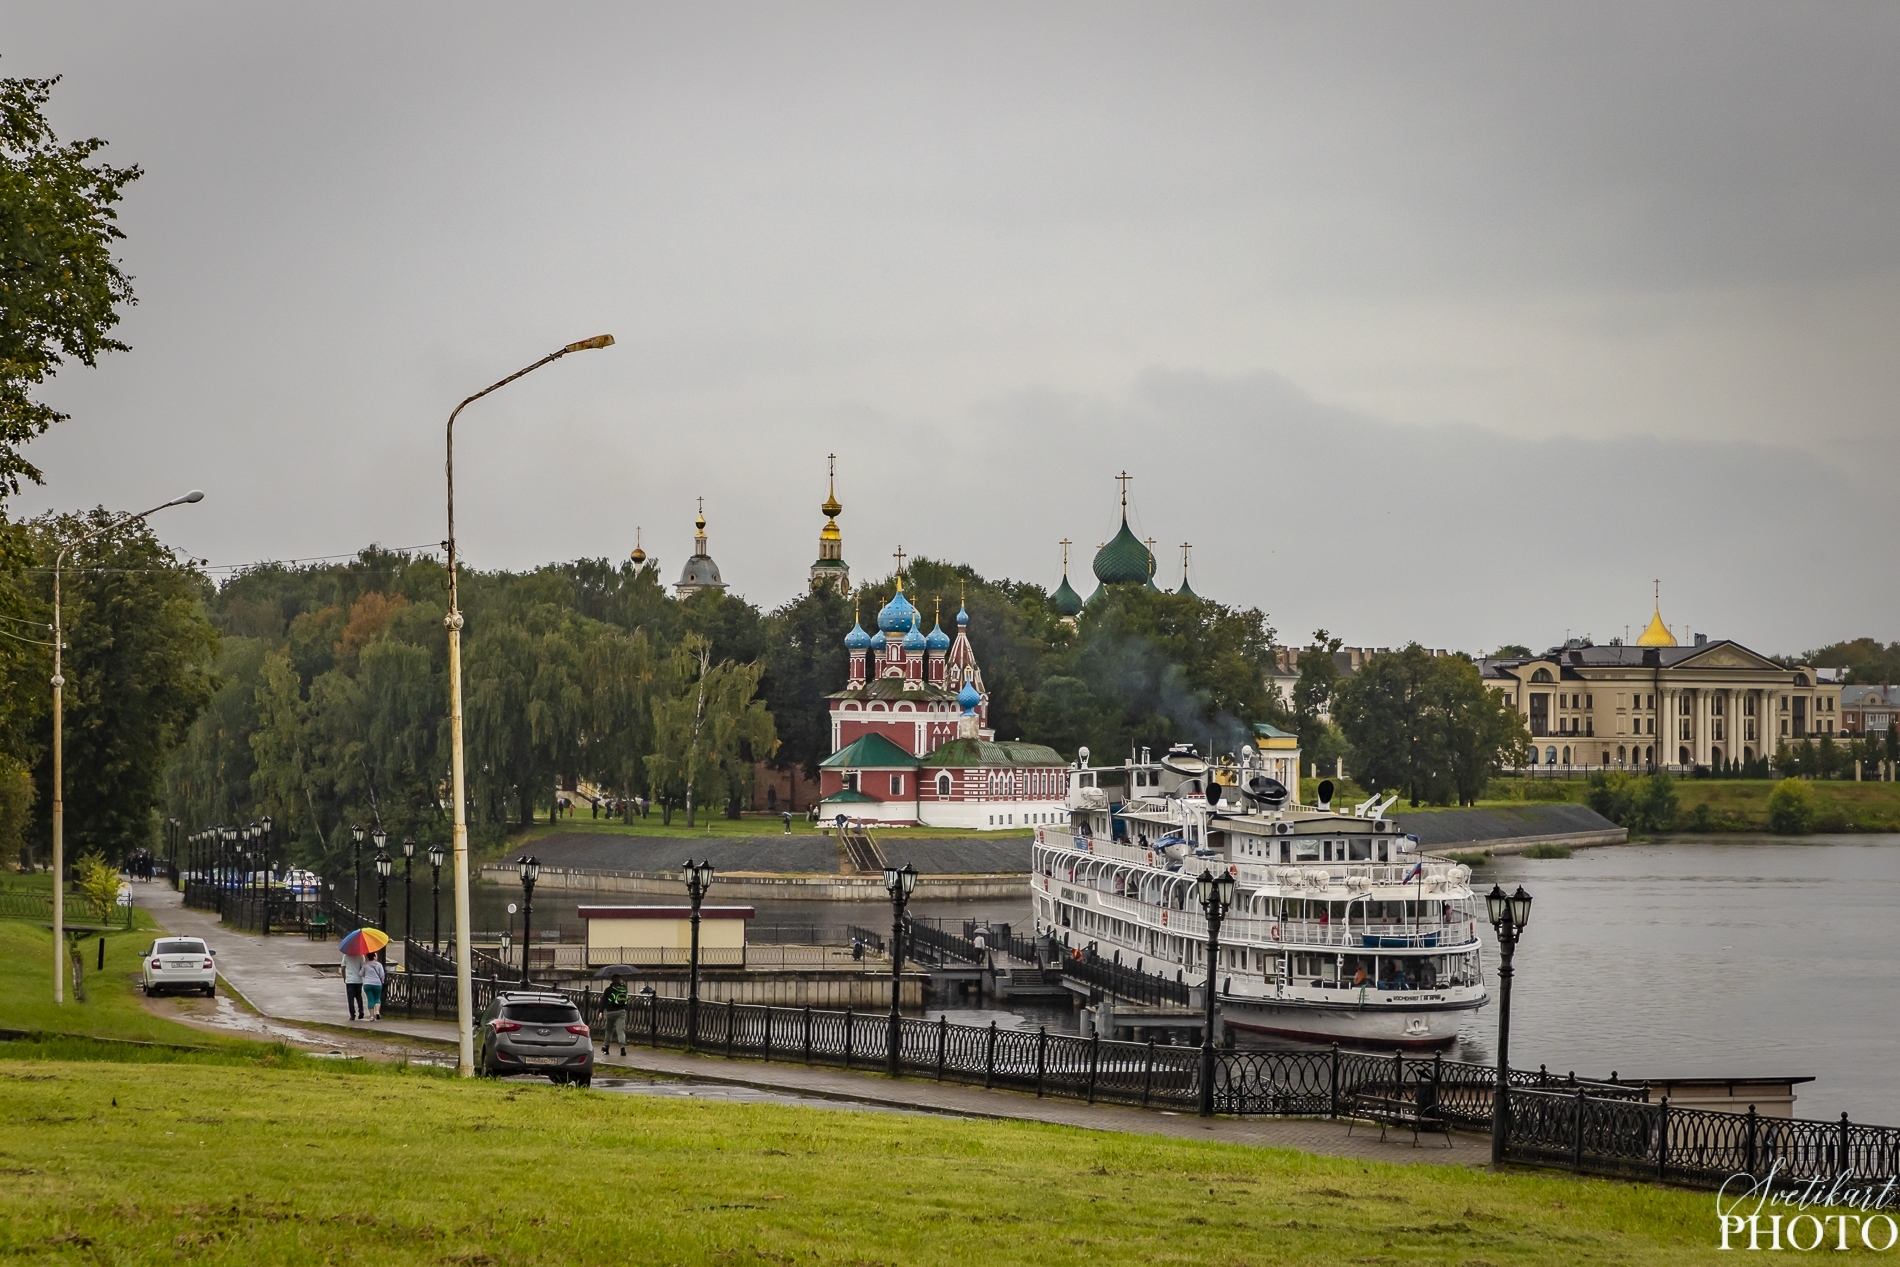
897, 785
943, 786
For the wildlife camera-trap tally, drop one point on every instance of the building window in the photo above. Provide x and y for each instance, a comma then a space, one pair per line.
1589, 701
1550, 756
943, 786
1542, 675
897, 785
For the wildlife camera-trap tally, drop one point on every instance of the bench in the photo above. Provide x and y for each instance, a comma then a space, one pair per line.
1388, 1111
319, 928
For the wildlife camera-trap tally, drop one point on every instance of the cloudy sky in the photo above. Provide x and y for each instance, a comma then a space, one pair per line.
1453, 322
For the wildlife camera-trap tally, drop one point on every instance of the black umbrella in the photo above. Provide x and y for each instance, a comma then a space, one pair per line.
616, 970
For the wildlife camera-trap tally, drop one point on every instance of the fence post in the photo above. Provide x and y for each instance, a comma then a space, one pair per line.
1576, 1134
1662, 1141
1333, 1108
435, 998
1751, 1140
989, 1059
768, 1033
1148, 1076
847, 1038
943, 1043
1095, 1061
653, 1018
732, 1008
1398, 1071
808, 1033
1840, 1166
1042, 1056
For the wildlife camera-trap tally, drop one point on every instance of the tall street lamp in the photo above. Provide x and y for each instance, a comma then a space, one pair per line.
59, 745
228, 837
1509, 913
464, 958
1216, 894
356, 867
901, 883
382, 890
699, 878
435, 894
264, 827
408, 871
529, 869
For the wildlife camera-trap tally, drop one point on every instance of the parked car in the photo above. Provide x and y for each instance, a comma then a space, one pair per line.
535, 1031
174, 964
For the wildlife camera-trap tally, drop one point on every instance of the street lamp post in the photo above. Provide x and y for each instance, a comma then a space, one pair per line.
1216, 894
408, 872
435, 895
1509, 913
356, 867
171, 845
699, 878
529, 869
901, 883
382, 890
464, 958
59, 744
228, 837
264, 835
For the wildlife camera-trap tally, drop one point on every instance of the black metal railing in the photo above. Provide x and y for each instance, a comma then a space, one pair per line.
1124, 981
28, 904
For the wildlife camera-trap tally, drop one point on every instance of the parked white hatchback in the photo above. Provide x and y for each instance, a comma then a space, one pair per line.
179, 963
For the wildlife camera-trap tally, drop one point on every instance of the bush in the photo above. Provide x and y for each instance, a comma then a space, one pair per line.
1701, 818
1638, 802
1547, 851
98, 882
1792, 808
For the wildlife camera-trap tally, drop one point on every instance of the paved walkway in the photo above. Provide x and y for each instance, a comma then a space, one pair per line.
278, 977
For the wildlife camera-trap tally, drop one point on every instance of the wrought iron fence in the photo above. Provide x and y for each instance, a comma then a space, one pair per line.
29, 904
1124, 981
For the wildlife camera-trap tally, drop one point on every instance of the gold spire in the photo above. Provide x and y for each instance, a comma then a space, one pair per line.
940, 611
1066, 543
899, 556
639, 555
1124, 477
700, 523
1657, 635
832, 506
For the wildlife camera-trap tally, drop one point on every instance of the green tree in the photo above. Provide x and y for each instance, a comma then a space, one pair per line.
60, 288
805, 663
97, 881
707, 725
1390, 712
1482, 734
139, 670
1313, 698
1793, 807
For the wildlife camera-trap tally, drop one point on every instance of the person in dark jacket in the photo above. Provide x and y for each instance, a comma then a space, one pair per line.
614, 1004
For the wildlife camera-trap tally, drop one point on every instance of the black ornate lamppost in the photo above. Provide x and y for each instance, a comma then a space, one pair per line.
437, 856
171, 843
356, 866
699, 878
1216, 894
408, 871
529, 868
1509, 913
383, 865
228, 838
264, 841
901, 883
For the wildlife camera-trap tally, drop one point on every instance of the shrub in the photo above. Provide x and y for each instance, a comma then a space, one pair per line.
1640, 803
1700, 818
1547, 851
1792, 808
98, 882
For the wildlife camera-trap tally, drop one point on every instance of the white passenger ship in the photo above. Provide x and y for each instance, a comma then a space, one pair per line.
1339, 930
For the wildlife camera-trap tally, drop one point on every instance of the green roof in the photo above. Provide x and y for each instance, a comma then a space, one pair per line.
1265, 730
1124, 560
1186, 590
982, 752
848, 795
871, 752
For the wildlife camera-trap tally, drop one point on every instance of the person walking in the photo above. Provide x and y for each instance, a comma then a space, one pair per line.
615, 1004
374, 974
353, 984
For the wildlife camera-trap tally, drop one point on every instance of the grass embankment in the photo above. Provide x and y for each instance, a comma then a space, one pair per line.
286, 1166
1734, 804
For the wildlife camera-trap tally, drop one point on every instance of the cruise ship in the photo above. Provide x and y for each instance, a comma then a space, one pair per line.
1340, 931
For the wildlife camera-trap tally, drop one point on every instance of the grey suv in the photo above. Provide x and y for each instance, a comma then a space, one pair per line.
534, 1031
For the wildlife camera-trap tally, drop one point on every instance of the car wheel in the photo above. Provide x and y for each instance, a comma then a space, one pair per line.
211, 992
584, 1081
148, 991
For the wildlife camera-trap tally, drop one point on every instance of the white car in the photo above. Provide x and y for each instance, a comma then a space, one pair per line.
179, 963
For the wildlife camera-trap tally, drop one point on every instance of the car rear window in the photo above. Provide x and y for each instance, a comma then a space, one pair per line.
542, 1013
177, 947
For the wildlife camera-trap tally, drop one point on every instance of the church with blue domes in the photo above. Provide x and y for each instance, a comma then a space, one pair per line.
911, 740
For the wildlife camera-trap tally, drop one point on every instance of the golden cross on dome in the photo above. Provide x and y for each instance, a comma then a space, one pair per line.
702, 505
1185, 547
1124, 477
899, 556
1066, 543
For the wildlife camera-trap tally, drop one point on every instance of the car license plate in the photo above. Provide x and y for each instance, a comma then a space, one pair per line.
544, 1060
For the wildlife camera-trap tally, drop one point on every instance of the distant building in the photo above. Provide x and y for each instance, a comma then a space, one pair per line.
700, 572
830, 568
1659, 705
1870, 710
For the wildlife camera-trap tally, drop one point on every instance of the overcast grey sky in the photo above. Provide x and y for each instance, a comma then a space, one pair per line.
1449, 322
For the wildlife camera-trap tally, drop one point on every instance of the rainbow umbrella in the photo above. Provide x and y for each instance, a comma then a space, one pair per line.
364, 941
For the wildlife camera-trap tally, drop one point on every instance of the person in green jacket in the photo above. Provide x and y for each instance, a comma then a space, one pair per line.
614, 1004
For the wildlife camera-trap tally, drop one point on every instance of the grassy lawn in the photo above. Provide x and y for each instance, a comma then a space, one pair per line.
129, 1163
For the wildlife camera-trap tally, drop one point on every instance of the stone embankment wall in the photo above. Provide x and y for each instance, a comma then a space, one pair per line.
1511, 830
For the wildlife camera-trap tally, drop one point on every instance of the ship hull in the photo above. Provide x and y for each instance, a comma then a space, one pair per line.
1383, 1027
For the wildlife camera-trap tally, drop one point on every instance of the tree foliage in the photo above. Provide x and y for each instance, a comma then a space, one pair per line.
1427, 726
60, 288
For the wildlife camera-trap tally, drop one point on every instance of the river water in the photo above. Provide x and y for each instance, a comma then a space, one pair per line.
1696, 956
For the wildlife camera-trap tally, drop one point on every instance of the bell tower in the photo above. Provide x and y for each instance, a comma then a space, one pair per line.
830, 568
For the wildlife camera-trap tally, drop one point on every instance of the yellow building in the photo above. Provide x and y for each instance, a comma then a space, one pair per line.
1659, 704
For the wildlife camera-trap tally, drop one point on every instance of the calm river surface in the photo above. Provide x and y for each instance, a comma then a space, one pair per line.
1698, 956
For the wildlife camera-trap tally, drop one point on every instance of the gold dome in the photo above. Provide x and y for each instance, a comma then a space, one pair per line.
1657, 635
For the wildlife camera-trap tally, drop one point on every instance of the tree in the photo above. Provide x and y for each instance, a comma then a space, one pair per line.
1513, 651
138, 672
706, 724
805, 662
1313, 693
60, 288
1387, 713
1482, 734
1793, 807
97, 881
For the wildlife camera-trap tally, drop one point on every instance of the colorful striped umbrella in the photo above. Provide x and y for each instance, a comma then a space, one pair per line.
364, 941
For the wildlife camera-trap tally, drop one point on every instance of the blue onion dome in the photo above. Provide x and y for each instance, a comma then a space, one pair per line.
938, 640
963, 618
915, 640
967, 698
898, 615
857, 639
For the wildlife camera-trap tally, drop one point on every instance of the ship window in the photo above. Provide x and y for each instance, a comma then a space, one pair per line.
1384, 849
1359, 851
1306, 851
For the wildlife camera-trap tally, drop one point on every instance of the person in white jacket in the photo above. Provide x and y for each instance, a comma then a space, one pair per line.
374, 975
353, 984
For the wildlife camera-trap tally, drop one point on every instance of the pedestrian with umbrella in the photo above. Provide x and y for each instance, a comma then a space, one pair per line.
614, 1002
356, 950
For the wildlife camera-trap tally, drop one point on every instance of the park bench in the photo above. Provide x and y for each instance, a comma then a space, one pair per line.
1387, 1110
319, 927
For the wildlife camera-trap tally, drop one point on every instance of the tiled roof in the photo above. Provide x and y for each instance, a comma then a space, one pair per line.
870, 752
959, 753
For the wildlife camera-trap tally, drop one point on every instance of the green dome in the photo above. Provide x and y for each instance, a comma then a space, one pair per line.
1186, 590
1065, 599
1124, 560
